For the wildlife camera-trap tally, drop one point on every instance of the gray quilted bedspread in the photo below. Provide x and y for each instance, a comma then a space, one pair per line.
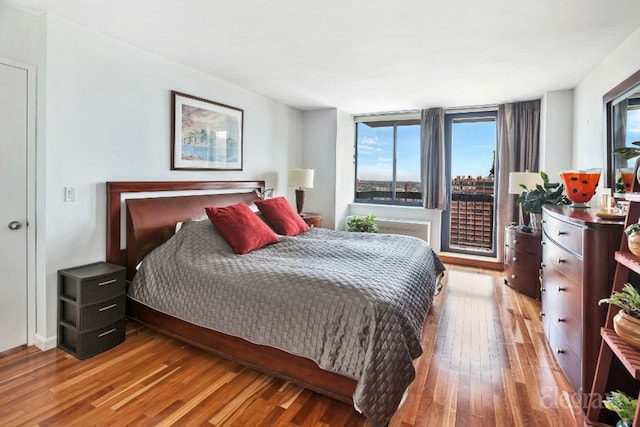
354, 303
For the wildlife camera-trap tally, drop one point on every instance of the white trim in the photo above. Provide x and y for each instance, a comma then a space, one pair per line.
45, 344
31, 194
380, 117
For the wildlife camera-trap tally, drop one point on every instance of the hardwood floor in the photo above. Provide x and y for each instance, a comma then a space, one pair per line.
485, 363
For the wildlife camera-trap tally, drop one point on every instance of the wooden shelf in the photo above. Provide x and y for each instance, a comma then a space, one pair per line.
629, 260
629, 356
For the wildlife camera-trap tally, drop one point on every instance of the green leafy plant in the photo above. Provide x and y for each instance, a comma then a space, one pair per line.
365, 224
629, 152
628, 299
633, 228
547, 193
622, 404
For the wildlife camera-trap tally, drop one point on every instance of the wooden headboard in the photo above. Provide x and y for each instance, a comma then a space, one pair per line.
151, 221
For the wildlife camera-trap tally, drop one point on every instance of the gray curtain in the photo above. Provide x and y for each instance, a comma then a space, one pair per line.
432, 158
620, 129
518, 130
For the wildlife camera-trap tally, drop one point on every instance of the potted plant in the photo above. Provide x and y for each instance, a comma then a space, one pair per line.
547, 193
633, 238
627, 322
363, 224
623, 405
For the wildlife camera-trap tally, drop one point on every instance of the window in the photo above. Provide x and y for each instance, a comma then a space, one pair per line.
388, 162
468, 225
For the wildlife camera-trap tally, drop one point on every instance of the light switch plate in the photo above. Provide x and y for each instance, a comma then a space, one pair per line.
70, 194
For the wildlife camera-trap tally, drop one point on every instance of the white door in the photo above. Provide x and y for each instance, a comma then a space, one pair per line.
13, 206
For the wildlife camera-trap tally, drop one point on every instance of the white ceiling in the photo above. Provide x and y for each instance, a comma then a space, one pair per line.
371, 55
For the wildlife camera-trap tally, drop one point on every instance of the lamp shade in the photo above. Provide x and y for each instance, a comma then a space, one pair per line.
301, 178
528, 179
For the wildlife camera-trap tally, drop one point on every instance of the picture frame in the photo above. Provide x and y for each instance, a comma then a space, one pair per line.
205, 135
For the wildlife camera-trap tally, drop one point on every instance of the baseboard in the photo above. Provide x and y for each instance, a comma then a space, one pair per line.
45, 344
471, 261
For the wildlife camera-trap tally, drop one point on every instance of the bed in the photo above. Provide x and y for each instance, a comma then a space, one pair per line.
322, 309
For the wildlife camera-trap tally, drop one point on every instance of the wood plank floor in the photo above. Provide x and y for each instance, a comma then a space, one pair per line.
485, 363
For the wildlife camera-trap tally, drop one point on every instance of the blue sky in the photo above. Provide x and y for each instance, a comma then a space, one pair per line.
633, 126
472, 151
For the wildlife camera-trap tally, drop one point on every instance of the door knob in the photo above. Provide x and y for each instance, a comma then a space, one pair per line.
15, 225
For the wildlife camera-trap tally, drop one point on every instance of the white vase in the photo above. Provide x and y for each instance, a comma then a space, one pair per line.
535, 222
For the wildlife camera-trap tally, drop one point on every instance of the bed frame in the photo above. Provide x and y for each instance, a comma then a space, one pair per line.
150, 222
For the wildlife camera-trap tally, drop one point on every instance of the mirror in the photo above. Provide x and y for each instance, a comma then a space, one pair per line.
622, 106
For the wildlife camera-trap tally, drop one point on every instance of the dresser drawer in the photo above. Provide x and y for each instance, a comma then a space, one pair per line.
567, 235
90, 317
570, 363
562, 297
565, 262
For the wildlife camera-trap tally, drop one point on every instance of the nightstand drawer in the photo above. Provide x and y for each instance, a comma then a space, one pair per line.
524, 261
79, 285
87, 344
523, 242
90, 317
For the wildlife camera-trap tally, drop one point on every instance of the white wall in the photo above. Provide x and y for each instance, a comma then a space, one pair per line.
107, 107
345, 167
18, 35
589, 148
319, 153
556, 132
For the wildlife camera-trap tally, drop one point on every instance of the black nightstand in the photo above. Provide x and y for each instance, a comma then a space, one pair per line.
91, 308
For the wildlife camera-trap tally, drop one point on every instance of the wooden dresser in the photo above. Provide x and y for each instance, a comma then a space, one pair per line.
522, 257
577, 271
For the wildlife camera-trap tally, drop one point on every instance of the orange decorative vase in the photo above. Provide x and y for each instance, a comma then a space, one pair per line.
628, 328
580, 185
633, 242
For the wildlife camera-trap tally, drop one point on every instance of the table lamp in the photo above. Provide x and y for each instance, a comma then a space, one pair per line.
300, 178
529, 180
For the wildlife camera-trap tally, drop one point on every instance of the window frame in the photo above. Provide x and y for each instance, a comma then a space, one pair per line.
445, 230
391, 120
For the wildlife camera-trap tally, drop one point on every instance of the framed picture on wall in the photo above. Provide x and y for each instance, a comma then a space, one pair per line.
206, 135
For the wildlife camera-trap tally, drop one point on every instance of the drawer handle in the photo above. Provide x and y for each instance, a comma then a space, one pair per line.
559, 350
515, 259
108, 282
110, 331
561, 260
109, 307
515, 241
561, 289
560, 320
562, 233
542, 314
513, 276
543, 265
542, 289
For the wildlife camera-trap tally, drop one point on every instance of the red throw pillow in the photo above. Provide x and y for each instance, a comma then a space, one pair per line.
282, 217
241, 227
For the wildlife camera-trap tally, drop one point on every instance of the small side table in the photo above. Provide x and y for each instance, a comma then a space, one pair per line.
312, 219
91, 308
522, 260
